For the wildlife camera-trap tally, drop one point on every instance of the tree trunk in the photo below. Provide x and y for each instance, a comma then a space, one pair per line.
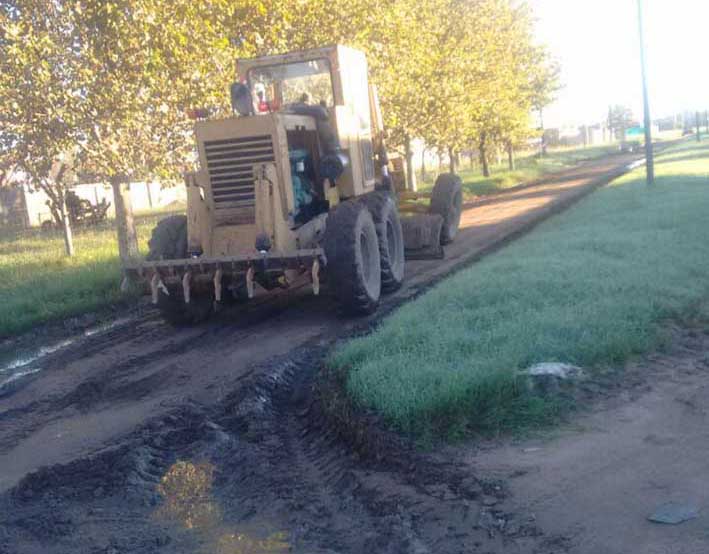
510, 156
127, 238
56, 198
482, 147
451, 160
66, 227
410, 172
423, 164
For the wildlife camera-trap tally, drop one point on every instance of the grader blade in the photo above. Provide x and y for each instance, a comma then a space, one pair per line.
422, 236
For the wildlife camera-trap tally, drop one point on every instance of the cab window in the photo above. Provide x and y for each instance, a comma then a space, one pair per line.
278, 86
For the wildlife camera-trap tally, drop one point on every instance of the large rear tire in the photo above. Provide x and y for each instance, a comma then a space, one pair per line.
447, 201
390, 236
353, 261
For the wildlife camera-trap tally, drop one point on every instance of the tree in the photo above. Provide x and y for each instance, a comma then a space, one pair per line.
448, 71
110, 81
399, 38
545, 82
37, 114
143, 63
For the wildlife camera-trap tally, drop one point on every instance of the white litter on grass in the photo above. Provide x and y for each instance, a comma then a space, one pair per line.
554, 369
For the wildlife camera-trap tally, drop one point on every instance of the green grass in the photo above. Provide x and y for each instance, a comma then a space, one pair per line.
592, 286
528, 168
39, 283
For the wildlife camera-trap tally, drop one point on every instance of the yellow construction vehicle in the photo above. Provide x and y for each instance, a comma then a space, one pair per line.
296, 185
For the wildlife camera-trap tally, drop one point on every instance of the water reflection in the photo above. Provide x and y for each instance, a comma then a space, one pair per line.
186, 489
240, 543
15, 364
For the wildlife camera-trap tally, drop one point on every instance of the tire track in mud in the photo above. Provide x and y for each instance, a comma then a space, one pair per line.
96, 389
278, 465
265, 458
111, 382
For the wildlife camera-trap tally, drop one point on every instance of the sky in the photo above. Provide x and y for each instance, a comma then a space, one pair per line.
596, 43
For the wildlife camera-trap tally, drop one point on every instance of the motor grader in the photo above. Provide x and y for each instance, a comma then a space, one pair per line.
295, 187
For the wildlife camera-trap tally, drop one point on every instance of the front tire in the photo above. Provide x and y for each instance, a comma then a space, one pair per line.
353, 260
390, 236
169, 242
447, 201
169, 239
174, 310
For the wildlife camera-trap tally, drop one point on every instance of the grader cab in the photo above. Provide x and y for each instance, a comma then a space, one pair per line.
295, 186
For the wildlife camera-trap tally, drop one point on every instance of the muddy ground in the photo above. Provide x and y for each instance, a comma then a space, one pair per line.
644, 444
143, 438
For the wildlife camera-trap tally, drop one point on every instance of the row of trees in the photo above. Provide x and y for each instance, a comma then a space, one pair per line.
104, 85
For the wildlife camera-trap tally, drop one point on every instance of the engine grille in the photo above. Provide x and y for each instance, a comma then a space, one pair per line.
230, 165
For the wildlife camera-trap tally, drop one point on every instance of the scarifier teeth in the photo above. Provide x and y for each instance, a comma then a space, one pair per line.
315, 274
250, 282
218, 285
186, 286
125, 284
154, 288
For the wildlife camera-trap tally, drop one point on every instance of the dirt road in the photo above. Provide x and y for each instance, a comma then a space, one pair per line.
641, 448
223, 416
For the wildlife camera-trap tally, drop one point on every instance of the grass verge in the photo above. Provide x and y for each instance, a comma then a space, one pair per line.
528, 168
38, 283
591, 287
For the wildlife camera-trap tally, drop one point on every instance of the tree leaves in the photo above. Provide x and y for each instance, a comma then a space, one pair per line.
111, 80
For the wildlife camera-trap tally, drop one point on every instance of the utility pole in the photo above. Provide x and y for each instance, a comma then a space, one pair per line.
699, 129
649, 160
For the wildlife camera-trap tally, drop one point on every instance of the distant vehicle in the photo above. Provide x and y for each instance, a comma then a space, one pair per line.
630, 146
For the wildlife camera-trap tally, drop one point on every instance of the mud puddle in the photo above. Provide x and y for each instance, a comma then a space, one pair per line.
260, 472
211, 439
17, 361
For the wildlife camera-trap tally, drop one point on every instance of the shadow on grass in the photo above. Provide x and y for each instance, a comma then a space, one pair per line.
693, 157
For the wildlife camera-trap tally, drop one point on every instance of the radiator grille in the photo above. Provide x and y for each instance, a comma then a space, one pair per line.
230, 165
